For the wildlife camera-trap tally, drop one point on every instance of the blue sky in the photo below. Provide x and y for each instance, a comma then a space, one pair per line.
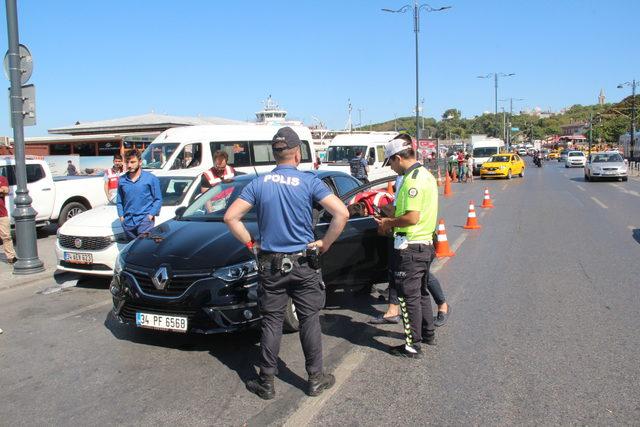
98, 60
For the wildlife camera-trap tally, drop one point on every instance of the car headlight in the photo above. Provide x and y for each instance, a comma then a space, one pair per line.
233, 273
119, 264
120, 238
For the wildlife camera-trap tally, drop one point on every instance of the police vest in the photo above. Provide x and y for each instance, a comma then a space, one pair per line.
213, 179
371, 199
112, 179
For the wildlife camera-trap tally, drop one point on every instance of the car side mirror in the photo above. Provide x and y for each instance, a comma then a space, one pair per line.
180, 211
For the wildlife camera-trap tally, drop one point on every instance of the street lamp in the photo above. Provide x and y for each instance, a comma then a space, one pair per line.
495, 85
632, 135
508, 124
416, 28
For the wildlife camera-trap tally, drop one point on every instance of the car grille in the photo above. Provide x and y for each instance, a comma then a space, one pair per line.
86, 243
129, 311
178, 282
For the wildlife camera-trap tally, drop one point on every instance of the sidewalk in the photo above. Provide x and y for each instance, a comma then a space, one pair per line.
46, 253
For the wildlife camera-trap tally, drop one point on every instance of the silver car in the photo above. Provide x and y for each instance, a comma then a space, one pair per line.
609, 165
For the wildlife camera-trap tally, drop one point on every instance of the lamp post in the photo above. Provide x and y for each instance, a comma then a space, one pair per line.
495, 86
508, 123
416, 28
632, 135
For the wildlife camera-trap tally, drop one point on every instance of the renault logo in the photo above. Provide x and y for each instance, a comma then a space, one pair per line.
160, 278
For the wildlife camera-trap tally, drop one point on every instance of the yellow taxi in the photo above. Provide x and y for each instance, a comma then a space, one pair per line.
503, 165
553, 155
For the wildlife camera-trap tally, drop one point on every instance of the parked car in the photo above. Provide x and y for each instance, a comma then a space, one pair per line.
575, 159
192, 275
563, 156
553, 155
54, 199
608, 165
503, 166
90, 242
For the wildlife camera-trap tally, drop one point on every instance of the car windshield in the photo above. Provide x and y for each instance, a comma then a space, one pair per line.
212, 205
607, 158
576, 154
484, 151
343, 153
155, 156
499, 159
174, 189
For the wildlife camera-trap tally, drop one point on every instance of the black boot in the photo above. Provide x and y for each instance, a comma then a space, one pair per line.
319, 383
262, 386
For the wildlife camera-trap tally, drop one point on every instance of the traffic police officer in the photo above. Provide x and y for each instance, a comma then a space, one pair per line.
283, 200
413, 227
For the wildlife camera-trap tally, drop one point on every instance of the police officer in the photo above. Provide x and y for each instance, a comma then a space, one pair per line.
413, 226
283, 202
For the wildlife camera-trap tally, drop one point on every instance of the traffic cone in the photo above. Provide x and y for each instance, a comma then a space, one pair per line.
487, 203
390, 188
447, 186
439, 182
442, 244
472, 221
454, 174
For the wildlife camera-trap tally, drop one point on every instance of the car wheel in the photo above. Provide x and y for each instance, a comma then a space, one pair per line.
624, 179
509, 174
70, 210
566, 166
291, 322
522, 173
586, 177
483, 177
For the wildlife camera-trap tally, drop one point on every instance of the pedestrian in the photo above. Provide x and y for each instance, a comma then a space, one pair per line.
461, 164
5, 223
219, 172
287, 257
71, 169
139, 197
359, 167
413, 227
470, 167
453, 159
111, 176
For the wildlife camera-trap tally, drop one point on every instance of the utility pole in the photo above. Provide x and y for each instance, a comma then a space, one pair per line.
633, 83
590, 133
23, 214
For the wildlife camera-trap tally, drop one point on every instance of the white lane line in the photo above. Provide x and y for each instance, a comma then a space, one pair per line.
83, 309
580, 187
504, 187
437, 265
602, 205
311, 406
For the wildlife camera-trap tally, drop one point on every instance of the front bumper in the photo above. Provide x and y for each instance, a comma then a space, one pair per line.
493, 174
615, 175
575, 164
103, 260
210, 304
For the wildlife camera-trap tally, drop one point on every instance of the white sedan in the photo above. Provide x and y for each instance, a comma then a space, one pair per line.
609, 165
575, 159
90, 242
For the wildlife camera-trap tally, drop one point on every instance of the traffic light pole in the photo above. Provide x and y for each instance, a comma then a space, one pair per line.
23, 214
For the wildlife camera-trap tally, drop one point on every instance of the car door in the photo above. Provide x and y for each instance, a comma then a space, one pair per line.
359, 256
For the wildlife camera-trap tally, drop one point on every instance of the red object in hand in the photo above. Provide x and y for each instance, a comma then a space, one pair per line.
250, 245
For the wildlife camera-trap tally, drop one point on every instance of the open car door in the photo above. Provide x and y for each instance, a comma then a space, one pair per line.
360, 256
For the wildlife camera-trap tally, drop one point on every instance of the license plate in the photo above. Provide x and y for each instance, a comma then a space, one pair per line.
78, 258
161, 322
610, 172
489, 173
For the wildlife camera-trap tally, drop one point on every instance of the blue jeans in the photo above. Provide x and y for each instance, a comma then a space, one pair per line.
145, 225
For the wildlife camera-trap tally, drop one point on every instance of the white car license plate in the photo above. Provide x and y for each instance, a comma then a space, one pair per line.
162, 322
610, 172
78, 258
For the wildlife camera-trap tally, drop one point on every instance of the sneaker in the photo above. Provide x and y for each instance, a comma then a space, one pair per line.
430, 340
413, 352
319, 383
12, 260
262, 386
442, 317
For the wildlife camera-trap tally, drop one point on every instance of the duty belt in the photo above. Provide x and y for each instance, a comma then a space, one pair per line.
284, 262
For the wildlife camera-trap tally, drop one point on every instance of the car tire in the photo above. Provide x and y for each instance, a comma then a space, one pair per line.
522, 173
291, 322
70, 210
509, 174
624, 179
483, 177
586, 177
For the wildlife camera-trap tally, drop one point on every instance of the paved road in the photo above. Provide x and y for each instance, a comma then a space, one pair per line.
543, 331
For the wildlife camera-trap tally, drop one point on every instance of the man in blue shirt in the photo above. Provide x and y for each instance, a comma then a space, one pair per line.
359, 167
283, 200
139, 197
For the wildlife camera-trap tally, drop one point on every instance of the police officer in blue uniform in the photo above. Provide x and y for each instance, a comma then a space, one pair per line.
288, 267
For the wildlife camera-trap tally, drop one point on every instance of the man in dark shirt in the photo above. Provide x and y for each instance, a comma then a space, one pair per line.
71, 169
359, 167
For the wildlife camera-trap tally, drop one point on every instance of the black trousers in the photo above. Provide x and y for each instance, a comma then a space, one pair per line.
431, 282
304, 285
410, 274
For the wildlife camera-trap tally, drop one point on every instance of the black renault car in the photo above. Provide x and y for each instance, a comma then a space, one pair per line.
190, 274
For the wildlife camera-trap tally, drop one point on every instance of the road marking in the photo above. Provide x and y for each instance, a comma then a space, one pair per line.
311, 406
504, 186
602, 205
83, 309
580, 187
454, 247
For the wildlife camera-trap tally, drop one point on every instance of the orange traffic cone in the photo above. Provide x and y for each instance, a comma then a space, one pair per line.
442, 244
439, 182
447, 186
472, 221
454, 174
390, 187
487, 203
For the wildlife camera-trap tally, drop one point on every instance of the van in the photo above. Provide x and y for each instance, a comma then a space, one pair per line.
484, 147
248, 147
344, 146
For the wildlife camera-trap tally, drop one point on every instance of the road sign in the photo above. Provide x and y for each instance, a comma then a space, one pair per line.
28, 105
515, 129
25, 66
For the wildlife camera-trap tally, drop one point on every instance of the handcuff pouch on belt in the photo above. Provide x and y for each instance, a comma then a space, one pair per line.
276, 262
